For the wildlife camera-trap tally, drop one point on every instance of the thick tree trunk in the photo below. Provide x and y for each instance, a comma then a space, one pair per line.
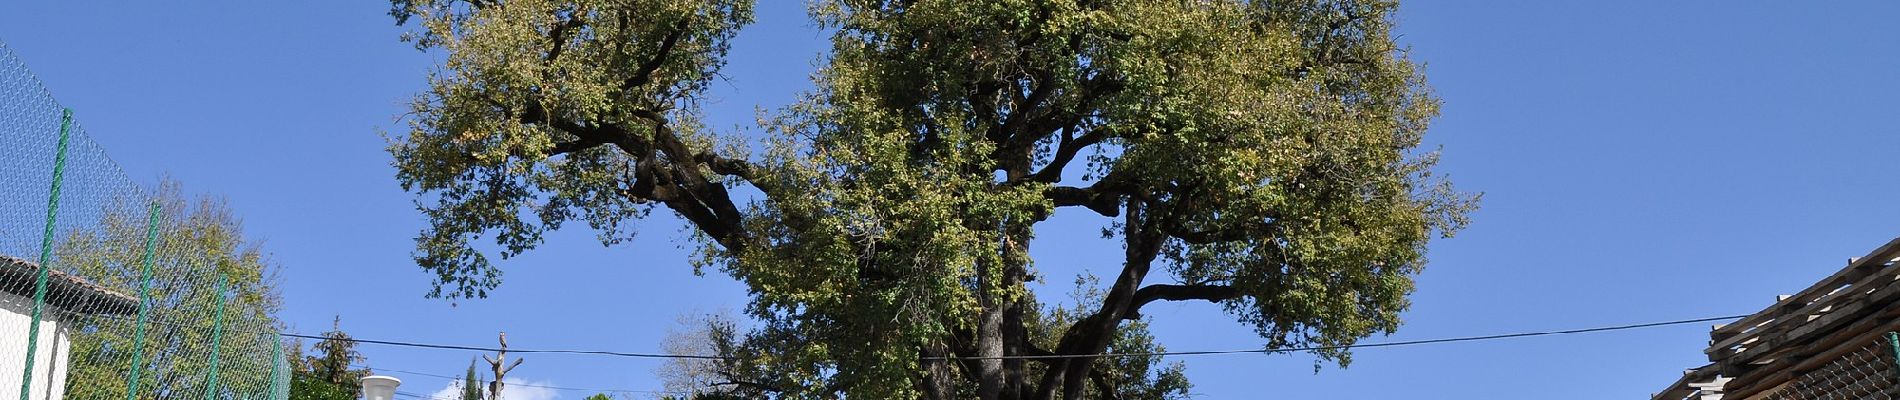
937, 383
989, 344
1000, 330
1015, 338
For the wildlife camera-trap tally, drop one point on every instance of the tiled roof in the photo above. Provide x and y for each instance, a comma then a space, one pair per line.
63, 290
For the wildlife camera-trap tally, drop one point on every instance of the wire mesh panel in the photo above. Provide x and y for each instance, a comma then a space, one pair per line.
1866, 372
29, 127
112, 289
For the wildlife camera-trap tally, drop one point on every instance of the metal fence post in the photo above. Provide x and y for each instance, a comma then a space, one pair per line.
1893, 339
217, 340
276, 361
46, 254
145, 283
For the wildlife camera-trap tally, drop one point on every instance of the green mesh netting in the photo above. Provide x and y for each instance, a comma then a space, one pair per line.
131, 301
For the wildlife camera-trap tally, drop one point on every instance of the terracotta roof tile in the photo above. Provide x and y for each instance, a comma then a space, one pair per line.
66, 291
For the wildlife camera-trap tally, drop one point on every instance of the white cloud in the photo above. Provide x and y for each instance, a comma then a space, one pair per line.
516, 389
450, 392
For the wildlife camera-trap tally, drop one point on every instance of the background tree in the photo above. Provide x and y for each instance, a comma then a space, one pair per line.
472, 383
332, 372
304, 387
688, 377
1259, 155
198, 240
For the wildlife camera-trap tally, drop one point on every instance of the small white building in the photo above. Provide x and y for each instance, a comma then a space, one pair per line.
67, 296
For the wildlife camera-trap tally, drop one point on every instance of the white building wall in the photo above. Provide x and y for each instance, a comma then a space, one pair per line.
49, 366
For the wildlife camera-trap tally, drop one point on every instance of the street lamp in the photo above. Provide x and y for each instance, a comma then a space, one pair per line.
378, 387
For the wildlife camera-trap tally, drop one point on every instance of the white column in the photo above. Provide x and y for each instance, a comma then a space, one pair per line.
49, 359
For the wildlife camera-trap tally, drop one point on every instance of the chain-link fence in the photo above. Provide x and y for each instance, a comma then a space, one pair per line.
110, 289
1866, 372
1863, 369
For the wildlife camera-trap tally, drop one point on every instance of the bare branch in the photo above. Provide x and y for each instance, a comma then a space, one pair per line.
1151, 293
754, 385
1104, 197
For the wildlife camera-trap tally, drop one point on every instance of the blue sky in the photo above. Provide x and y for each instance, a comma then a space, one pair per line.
1641, 161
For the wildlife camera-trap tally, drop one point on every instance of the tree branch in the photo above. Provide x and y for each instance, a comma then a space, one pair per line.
1065, 152
570, 147
1092, 334
1104, 388
1151, 293
1044, 85
559, 34
1209, 236
1104, 197
754, 385
704, 203
983, 104
1026, 126
678, 181
726, 166
645, 73
1235, 231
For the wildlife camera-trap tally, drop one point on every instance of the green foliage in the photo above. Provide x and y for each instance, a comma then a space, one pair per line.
472, 383
331, 373
1262, 155
304, 387
198, 240
485, 178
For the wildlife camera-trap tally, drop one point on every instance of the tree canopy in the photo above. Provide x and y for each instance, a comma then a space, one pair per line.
335, 372
195, 241
1264, 156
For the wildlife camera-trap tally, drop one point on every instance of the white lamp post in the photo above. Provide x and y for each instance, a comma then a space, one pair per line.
378, 387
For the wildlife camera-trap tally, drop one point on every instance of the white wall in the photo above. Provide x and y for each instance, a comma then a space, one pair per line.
49, 366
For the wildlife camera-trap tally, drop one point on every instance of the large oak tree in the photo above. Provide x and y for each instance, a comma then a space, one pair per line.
1260, 155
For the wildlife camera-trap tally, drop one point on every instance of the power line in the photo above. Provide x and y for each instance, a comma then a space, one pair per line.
431, 345
1099, 355
424, 397
1039, 356
489, 349
517, 383
451, 347
1368, 345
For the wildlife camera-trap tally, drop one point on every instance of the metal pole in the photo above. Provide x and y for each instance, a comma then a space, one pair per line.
46, 254
277, 360
145, 283
1893, 339
217, 339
